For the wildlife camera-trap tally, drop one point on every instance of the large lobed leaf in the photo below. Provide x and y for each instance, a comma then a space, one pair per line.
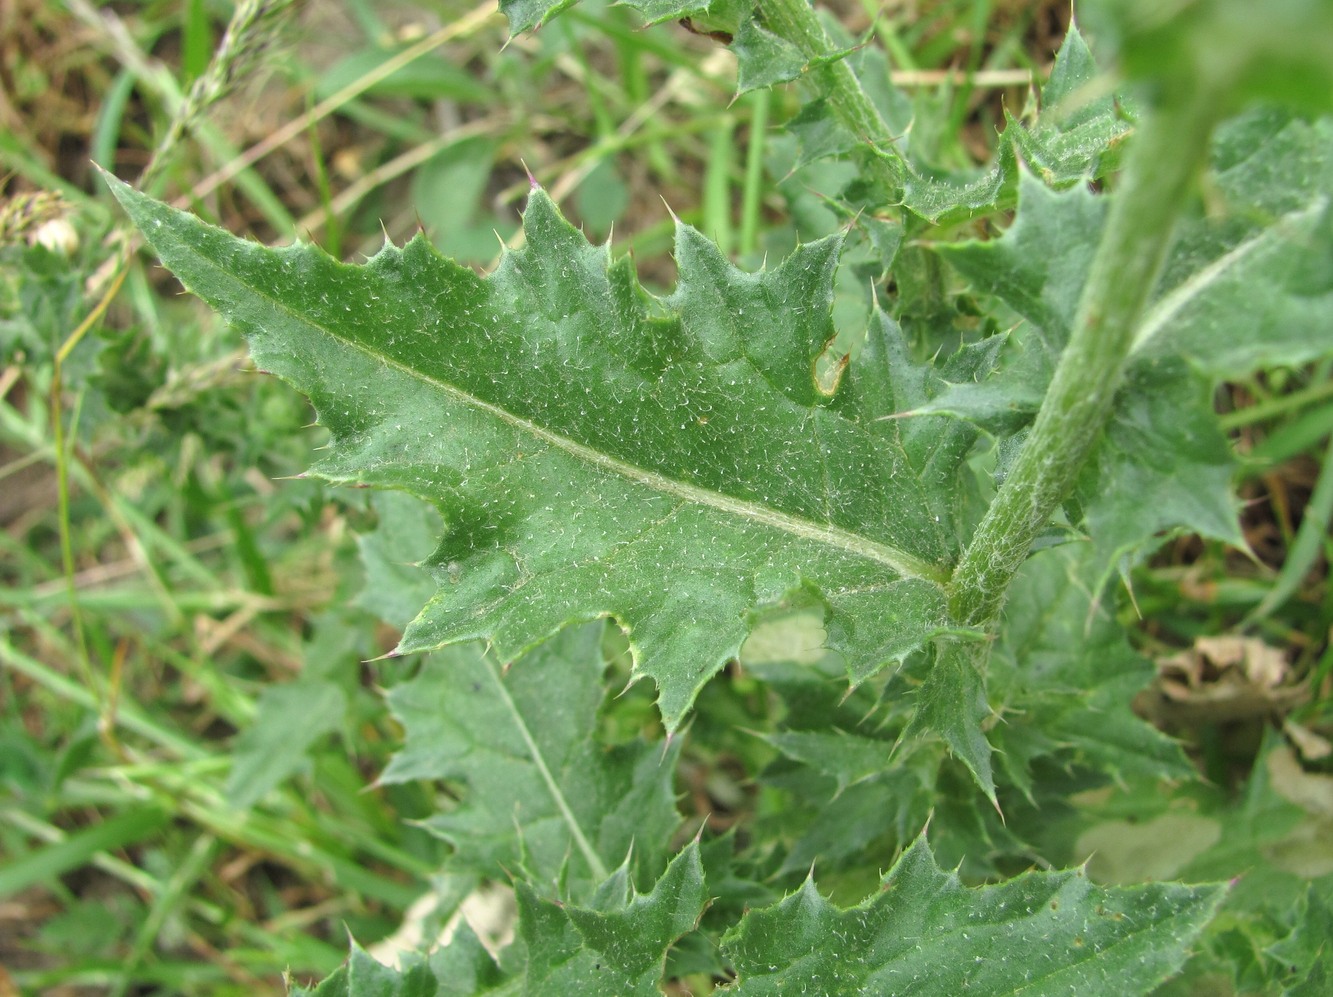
595, 451
542, 797
539, 794
926, 933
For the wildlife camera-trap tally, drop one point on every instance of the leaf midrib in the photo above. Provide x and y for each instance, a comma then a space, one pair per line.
595, 865
1176, 300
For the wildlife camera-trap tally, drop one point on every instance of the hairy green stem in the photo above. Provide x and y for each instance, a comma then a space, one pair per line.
1168, 149
795, 21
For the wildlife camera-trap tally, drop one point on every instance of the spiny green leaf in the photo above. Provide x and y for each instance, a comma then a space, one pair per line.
952, 703
888, 379
524, 15
1019, 267
362, 976
828, 829
1251, 284
617, 949
1066, 92
541, 795
1074, 137
1247, 285
1306, 949
763, 58
1164, 466
1063, 679
584, 439
1078, 125
656, 11
848, 758
464, 968
817, 126
1042, 287
949, 200
924, 932
840, 785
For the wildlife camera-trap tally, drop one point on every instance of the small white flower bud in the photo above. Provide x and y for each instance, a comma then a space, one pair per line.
57, 235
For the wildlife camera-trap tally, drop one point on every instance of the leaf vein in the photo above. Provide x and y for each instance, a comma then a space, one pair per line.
599, 870
1178, 298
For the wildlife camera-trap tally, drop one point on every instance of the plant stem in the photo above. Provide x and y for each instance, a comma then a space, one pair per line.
1169, 147
795, 22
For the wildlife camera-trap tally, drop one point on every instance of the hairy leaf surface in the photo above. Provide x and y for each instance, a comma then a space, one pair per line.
615, 947
541, 796
1250, 284
524, 15
924, 932
762, 58
596, 451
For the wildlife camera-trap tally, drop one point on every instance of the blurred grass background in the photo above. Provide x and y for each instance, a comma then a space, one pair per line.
190, 726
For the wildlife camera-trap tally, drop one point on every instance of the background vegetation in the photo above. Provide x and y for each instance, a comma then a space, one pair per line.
191, 716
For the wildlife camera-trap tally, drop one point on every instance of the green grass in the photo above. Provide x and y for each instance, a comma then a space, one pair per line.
153, 603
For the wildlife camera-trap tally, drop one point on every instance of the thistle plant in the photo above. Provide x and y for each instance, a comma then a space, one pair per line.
943, 509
